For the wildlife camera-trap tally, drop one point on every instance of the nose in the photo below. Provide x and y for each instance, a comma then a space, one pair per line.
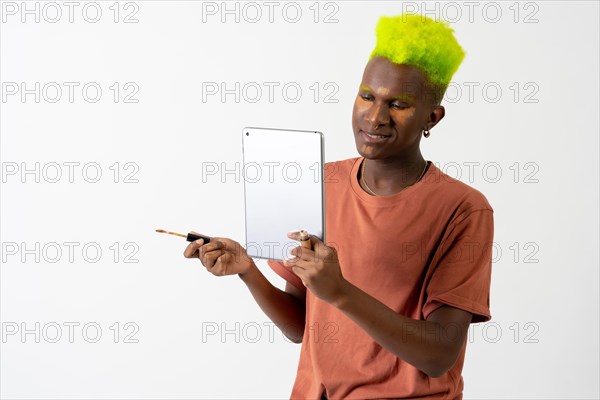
377, 115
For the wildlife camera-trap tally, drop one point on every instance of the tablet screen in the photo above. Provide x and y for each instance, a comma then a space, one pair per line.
283, 189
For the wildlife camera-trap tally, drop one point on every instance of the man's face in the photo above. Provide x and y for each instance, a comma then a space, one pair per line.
392, 101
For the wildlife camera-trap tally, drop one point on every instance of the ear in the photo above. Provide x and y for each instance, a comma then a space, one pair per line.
435, 116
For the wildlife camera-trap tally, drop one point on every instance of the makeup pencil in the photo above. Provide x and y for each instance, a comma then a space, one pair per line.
190, 237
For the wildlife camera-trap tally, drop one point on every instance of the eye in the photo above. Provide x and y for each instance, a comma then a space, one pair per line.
366, 97
399, 106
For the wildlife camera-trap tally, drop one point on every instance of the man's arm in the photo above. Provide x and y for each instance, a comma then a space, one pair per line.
285, 308
432, 345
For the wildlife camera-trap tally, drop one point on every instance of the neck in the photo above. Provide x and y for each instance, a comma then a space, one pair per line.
389, 176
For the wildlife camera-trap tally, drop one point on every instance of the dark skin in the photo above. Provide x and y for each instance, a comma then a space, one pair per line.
394, 101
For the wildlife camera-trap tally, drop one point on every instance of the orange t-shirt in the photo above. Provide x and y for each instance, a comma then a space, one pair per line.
425, 246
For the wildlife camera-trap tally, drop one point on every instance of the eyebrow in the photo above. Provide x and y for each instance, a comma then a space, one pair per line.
403, 97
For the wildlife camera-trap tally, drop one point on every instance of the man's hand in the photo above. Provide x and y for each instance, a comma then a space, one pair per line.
318, 268
222, 256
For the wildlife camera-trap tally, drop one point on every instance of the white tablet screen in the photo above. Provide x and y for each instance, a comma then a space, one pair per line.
283, 189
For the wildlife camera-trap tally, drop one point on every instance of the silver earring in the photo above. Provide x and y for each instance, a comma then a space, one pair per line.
426, 132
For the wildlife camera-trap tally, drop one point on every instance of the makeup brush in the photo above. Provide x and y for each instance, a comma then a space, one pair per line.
190, 237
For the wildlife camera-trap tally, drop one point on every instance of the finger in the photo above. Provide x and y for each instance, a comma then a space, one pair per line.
295, 235
191, 251
207, 238
209, 252
220, 265
211, 260
303, 253
300, 273
227, 243
323, 251
212, 246
314, 241
294, 262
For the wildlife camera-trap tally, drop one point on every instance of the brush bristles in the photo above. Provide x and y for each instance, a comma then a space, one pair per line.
171, 233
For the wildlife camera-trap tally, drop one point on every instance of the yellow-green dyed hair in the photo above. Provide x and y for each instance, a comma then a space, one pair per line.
421, 42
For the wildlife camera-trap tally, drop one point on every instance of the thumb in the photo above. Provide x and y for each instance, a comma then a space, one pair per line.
316, 242
210, 239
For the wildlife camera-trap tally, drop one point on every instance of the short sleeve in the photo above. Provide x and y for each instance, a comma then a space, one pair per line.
286, 274
462, 268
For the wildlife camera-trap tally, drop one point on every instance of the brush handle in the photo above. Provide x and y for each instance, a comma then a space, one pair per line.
192, 236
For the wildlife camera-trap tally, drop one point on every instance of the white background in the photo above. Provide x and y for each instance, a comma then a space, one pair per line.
540, 134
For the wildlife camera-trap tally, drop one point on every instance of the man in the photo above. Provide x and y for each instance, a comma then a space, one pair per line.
383, 309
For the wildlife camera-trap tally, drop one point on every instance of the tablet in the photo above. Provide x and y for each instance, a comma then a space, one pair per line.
283, 189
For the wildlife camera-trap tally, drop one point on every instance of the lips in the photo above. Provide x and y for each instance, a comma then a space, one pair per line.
372, 139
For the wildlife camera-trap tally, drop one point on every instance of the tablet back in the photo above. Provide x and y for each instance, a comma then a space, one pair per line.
283, 189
